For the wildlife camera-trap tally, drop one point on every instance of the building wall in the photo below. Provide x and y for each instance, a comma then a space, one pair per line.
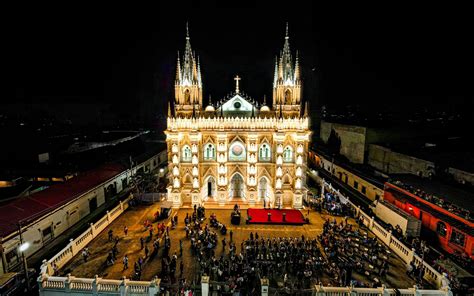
392, 162
462, 176
353, 139
61, 219
371, 191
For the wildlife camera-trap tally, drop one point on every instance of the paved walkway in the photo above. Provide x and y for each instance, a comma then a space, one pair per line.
130, 244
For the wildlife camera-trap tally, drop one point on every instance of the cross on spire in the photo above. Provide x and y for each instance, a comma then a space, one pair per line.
237, 79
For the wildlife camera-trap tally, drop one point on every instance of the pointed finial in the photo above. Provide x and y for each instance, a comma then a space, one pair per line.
287, 36
169, 109
264, 100
187, 31
210, 101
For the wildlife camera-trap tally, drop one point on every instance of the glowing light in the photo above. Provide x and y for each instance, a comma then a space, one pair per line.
24, 247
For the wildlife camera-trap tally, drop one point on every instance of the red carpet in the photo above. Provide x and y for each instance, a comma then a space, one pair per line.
293, 217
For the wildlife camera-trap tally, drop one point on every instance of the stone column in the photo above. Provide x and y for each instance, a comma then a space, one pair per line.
204, 286
72, 245
264, 284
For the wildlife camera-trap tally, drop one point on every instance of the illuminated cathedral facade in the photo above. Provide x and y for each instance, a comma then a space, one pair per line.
237, 149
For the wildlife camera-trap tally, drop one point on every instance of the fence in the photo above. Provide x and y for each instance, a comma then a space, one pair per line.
405, 253
76, 245
96, 286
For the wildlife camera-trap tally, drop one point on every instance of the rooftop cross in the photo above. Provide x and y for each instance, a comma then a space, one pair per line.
237, 78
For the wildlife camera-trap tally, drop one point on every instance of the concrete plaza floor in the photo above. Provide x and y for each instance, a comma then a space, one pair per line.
130, 244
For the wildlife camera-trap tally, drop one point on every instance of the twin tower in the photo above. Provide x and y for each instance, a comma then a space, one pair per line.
188, 86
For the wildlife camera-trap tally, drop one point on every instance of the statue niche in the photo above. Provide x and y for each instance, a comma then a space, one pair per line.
288, 100
187, 97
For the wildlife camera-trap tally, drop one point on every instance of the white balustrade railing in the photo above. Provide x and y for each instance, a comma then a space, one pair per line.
75, 246
70, 285
399, 248
254, 123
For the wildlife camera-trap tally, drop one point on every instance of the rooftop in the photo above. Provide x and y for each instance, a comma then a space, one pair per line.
34, 206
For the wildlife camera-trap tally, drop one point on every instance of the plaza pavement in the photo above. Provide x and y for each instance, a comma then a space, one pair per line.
133, 218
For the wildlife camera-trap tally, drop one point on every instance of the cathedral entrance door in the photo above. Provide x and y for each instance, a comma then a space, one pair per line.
211, 187
237, 187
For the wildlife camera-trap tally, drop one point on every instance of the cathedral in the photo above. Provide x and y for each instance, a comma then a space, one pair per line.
237, 149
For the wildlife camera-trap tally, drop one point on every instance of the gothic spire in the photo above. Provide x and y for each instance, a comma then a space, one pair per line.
264, 100
198, 71
188, 59
297, 68
169, 109
210, 101
286, 59
275, 78
178, 69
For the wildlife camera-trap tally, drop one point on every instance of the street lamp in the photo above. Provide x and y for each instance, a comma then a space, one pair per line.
22, 248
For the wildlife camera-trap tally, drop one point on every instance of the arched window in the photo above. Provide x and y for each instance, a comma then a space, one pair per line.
209, 152
288, 154
264, 153
441, 229
237, 152
186, 153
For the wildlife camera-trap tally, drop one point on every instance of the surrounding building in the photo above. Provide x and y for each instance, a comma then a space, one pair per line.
237, 148
43, 216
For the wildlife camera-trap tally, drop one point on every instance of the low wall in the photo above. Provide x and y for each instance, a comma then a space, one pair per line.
76, 245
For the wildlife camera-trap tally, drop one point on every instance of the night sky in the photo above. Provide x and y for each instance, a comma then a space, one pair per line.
392, 57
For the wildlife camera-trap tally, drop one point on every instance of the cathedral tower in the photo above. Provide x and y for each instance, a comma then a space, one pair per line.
188, 84
287, 82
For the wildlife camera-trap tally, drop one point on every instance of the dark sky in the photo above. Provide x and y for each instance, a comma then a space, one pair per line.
395, 57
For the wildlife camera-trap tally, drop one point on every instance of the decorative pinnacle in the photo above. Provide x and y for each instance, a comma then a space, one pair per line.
286, 36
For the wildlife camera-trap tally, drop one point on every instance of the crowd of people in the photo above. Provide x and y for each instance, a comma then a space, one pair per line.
350, 250
331, 203
439, 201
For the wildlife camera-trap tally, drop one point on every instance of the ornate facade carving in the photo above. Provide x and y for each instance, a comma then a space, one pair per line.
238, 149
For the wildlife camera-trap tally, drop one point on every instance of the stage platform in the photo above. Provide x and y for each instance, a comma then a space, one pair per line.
260, 216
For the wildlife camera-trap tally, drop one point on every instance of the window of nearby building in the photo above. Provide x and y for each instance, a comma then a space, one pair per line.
441, 229
363, 189
457, 238
356, 185
186, 153
288, 154
12, 256
209, 152
47, 234
264, 153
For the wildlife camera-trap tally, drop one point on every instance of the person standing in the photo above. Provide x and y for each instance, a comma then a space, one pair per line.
147, 251
142, 243
125, 230
231, 233
125, 262
111, 235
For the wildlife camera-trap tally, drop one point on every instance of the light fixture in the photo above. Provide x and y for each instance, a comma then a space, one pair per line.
24, 246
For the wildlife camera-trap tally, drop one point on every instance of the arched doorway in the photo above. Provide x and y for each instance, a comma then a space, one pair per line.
210, 188
237, 187
264, 192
